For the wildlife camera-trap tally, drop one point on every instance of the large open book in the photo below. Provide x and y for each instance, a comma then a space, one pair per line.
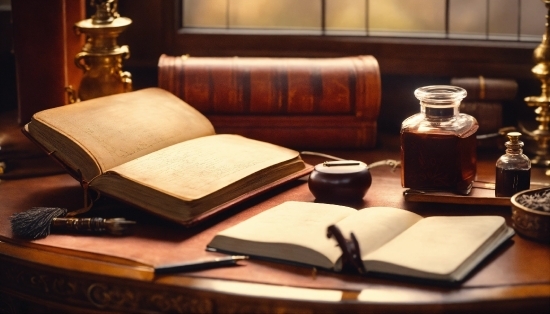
151, 149
391, 240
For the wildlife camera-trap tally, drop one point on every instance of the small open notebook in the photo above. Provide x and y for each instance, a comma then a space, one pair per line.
391, 240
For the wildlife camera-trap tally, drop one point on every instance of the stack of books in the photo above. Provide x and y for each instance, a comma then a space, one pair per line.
485, 101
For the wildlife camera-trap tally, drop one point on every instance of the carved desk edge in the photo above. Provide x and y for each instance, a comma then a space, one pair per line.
48, 279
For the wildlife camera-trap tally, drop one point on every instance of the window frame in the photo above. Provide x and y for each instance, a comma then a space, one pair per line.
396, 56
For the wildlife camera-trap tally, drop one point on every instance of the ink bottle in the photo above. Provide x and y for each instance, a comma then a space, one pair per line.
438, 145
513, 169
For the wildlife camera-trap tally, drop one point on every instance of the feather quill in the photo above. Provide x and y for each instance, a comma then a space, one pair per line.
35, 223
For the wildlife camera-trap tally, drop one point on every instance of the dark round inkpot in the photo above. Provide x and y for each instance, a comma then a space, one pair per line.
343, 180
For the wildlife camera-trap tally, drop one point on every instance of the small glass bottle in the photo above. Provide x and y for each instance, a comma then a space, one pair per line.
438, 145
513, 169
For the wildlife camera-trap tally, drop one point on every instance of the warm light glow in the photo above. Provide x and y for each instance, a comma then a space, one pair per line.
467, 19
404, 16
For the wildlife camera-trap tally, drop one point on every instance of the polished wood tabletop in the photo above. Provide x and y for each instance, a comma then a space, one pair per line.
85, 273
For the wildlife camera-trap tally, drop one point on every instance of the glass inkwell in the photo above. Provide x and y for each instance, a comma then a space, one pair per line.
513, 169
438, 145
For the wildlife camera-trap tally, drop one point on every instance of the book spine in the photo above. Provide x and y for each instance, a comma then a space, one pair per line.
487, 89
275, 86
487, 113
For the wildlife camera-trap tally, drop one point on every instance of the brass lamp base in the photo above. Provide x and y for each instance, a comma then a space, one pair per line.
542, 134
541, 70
101, 57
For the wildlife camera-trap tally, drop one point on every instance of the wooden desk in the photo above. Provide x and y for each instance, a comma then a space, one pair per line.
68, 273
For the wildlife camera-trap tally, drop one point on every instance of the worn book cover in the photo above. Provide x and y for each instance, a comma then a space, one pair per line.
153, 150
294, 102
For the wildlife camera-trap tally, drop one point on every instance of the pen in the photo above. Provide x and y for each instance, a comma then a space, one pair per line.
200, 264
340, 163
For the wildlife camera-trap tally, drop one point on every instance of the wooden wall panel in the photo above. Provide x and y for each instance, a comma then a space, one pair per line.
44, 46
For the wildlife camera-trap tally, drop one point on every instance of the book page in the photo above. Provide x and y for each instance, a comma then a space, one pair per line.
436, 245
198, 167
300, 224
374, 226
118, 128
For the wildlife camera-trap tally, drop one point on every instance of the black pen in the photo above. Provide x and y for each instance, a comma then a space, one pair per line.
200, 264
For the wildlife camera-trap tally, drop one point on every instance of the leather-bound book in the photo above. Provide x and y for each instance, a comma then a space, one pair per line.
150, 149
484, 100
295, 102
487, 89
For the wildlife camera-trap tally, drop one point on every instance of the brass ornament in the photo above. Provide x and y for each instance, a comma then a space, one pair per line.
101, 57
541, 70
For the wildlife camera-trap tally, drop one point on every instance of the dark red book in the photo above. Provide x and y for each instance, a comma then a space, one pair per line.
294, 102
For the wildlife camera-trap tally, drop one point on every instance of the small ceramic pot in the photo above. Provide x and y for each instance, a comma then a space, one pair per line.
346, 180
529, 222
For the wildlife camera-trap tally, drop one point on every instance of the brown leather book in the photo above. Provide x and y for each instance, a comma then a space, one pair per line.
295, 102
485, 99
152, 150
487, 89
487, 113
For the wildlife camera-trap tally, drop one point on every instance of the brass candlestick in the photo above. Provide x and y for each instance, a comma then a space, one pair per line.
541, 70
101, 57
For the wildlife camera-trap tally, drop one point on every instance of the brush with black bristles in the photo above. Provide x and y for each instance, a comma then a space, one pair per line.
38, 222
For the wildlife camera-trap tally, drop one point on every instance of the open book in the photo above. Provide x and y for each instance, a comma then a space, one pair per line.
391, 240
151, 149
